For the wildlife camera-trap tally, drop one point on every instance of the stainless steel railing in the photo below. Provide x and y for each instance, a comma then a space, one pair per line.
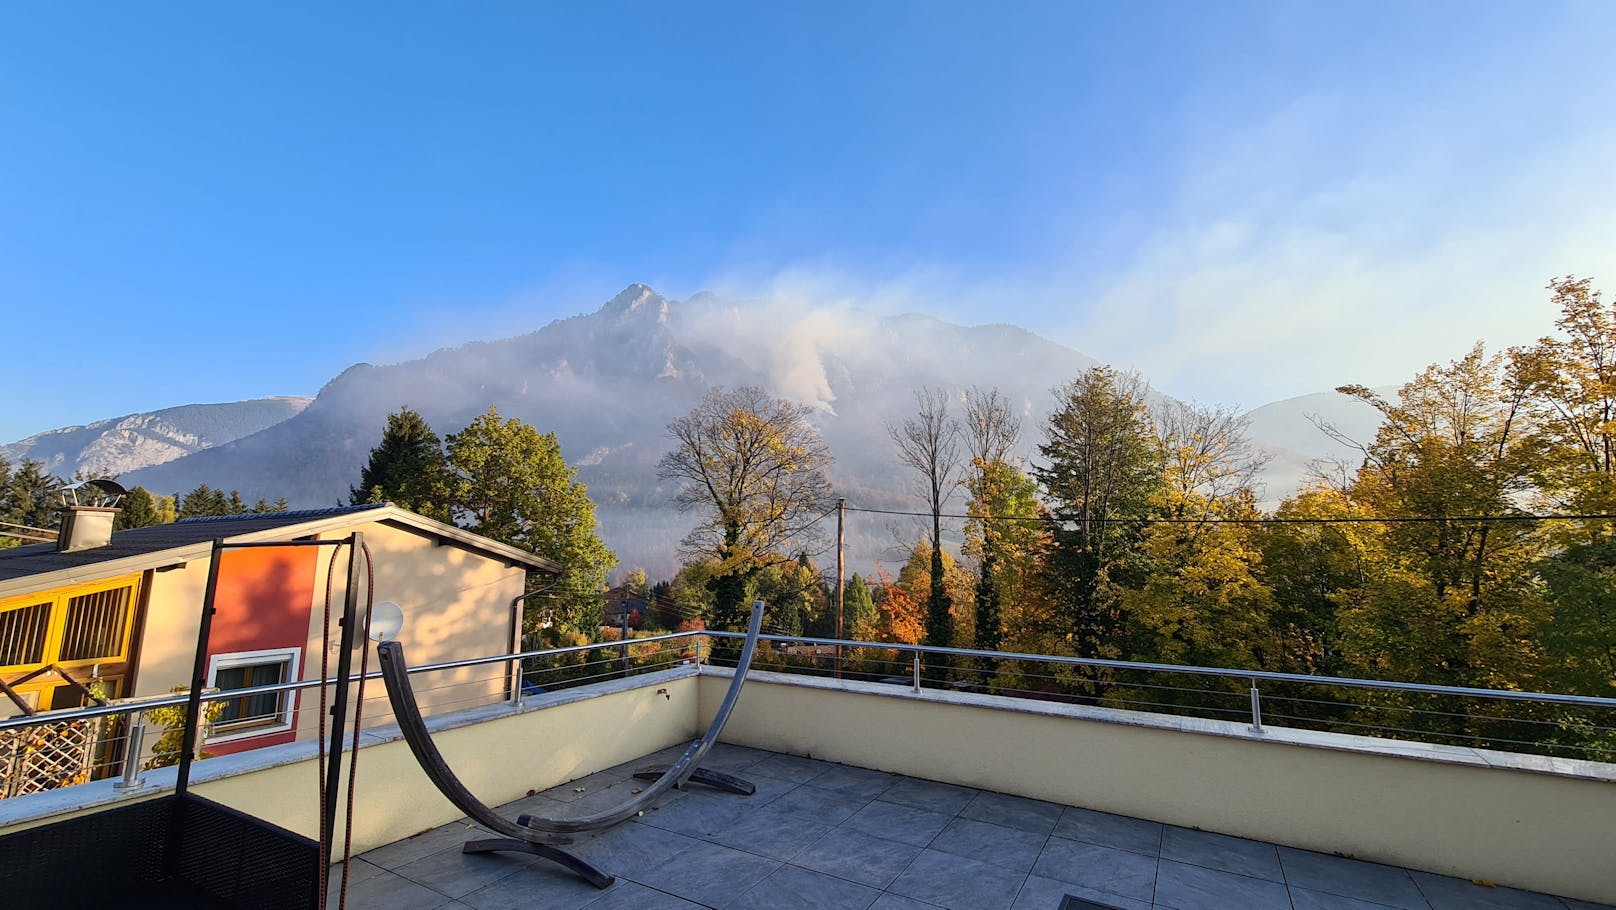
1261, 694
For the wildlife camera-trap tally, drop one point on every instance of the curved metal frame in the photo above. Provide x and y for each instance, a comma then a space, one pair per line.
534, 833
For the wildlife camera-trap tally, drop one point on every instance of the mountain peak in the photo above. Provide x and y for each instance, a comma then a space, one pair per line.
635, 303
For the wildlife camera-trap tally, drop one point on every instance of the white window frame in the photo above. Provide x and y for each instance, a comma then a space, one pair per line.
288, 656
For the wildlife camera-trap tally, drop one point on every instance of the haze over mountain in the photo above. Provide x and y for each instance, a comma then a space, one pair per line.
608, 382
120, 445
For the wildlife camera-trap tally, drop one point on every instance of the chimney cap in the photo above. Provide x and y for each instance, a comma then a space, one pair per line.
110, 491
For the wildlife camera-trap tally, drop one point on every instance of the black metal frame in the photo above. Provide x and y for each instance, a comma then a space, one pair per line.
182, 850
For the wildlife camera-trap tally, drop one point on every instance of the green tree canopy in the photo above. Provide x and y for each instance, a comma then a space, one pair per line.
511, 484
1101, 468
407, 468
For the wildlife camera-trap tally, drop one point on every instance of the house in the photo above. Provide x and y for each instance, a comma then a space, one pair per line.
122, 609
624, 601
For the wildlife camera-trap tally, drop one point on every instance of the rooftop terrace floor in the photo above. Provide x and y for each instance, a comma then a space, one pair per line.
827, 836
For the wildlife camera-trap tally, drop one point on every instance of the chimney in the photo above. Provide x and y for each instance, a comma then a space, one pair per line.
85, 528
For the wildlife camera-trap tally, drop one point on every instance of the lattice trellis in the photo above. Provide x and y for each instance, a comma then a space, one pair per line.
46, 757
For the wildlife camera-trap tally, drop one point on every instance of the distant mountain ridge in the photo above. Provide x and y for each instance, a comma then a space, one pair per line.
608, 382
120, 445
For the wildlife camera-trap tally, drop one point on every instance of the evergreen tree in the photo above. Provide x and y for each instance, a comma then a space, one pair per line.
511, 484
858, 610
31, 496
139, 510
407, 468
1101, 469
205, 501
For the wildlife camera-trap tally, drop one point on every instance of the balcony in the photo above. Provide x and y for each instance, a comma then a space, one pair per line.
886, 795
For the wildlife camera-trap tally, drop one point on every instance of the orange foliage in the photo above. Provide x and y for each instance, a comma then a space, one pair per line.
902, 614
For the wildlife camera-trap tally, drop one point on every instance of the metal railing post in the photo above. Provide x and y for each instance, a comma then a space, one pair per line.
517, 679
917, 672
1256, 707
133, 743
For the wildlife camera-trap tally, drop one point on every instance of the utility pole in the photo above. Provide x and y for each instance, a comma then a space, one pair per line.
841, 574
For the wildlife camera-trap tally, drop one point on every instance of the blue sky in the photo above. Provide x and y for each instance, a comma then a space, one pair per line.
1243, 201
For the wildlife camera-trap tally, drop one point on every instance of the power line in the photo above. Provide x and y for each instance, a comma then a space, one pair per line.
1211, 519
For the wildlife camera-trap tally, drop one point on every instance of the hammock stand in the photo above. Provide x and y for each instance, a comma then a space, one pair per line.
539, 835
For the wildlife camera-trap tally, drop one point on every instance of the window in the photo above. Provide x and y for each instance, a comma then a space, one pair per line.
253, 715
22, 634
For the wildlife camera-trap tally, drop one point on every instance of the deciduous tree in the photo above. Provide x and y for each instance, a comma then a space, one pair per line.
511, 484
754, 466
929, 444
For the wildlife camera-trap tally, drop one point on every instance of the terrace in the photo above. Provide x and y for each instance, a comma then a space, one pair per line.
883, 794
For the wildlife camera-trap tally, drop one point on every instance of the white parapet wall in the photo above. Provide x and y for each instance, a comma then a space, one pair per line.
500, 753
1530, 822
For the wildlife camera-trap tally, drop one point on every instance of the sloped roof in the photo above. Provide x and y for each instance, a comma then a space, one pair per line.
40, 566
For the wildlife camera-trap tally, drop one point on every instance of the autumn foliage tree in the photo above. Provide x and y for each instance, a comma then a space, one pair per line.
754, 467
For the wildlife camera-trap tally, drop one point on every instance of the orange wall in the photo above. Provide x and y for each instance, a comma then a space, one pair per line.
263, 602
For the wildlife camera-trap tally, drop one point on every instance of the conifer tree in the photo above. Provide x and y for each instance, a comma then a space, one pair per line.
407, 468
1101, 467
139, 510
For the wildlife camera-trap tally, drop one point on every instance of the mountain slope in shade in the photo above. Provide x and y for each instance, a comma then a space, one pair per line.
607, 383
121, 445
1290, 432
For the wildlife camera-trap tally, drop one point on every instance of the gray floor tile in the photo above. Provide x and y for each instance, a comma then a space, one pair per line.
768, 790
694, 816
1185, 887
861, 783
958, 883
996, 844
1351, 878
1303, 899
400, 852
622, 849
890, 901
793, 888
794, 768
1014, 812
772, 833
1572, 904
577, 789
386, 889
627, 895
540, 886
1107, 830
708, 874
455, 873
931, 795
825, 806
1446, 893
1047, 894
1101, 868
732, 758
1221, 852
858, 857
900, 823
849, 832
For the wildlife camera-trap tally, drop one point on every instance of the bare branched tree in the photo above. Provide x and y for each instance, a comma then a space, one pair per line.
1207, 451
928, 442
756, 466
991, 429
